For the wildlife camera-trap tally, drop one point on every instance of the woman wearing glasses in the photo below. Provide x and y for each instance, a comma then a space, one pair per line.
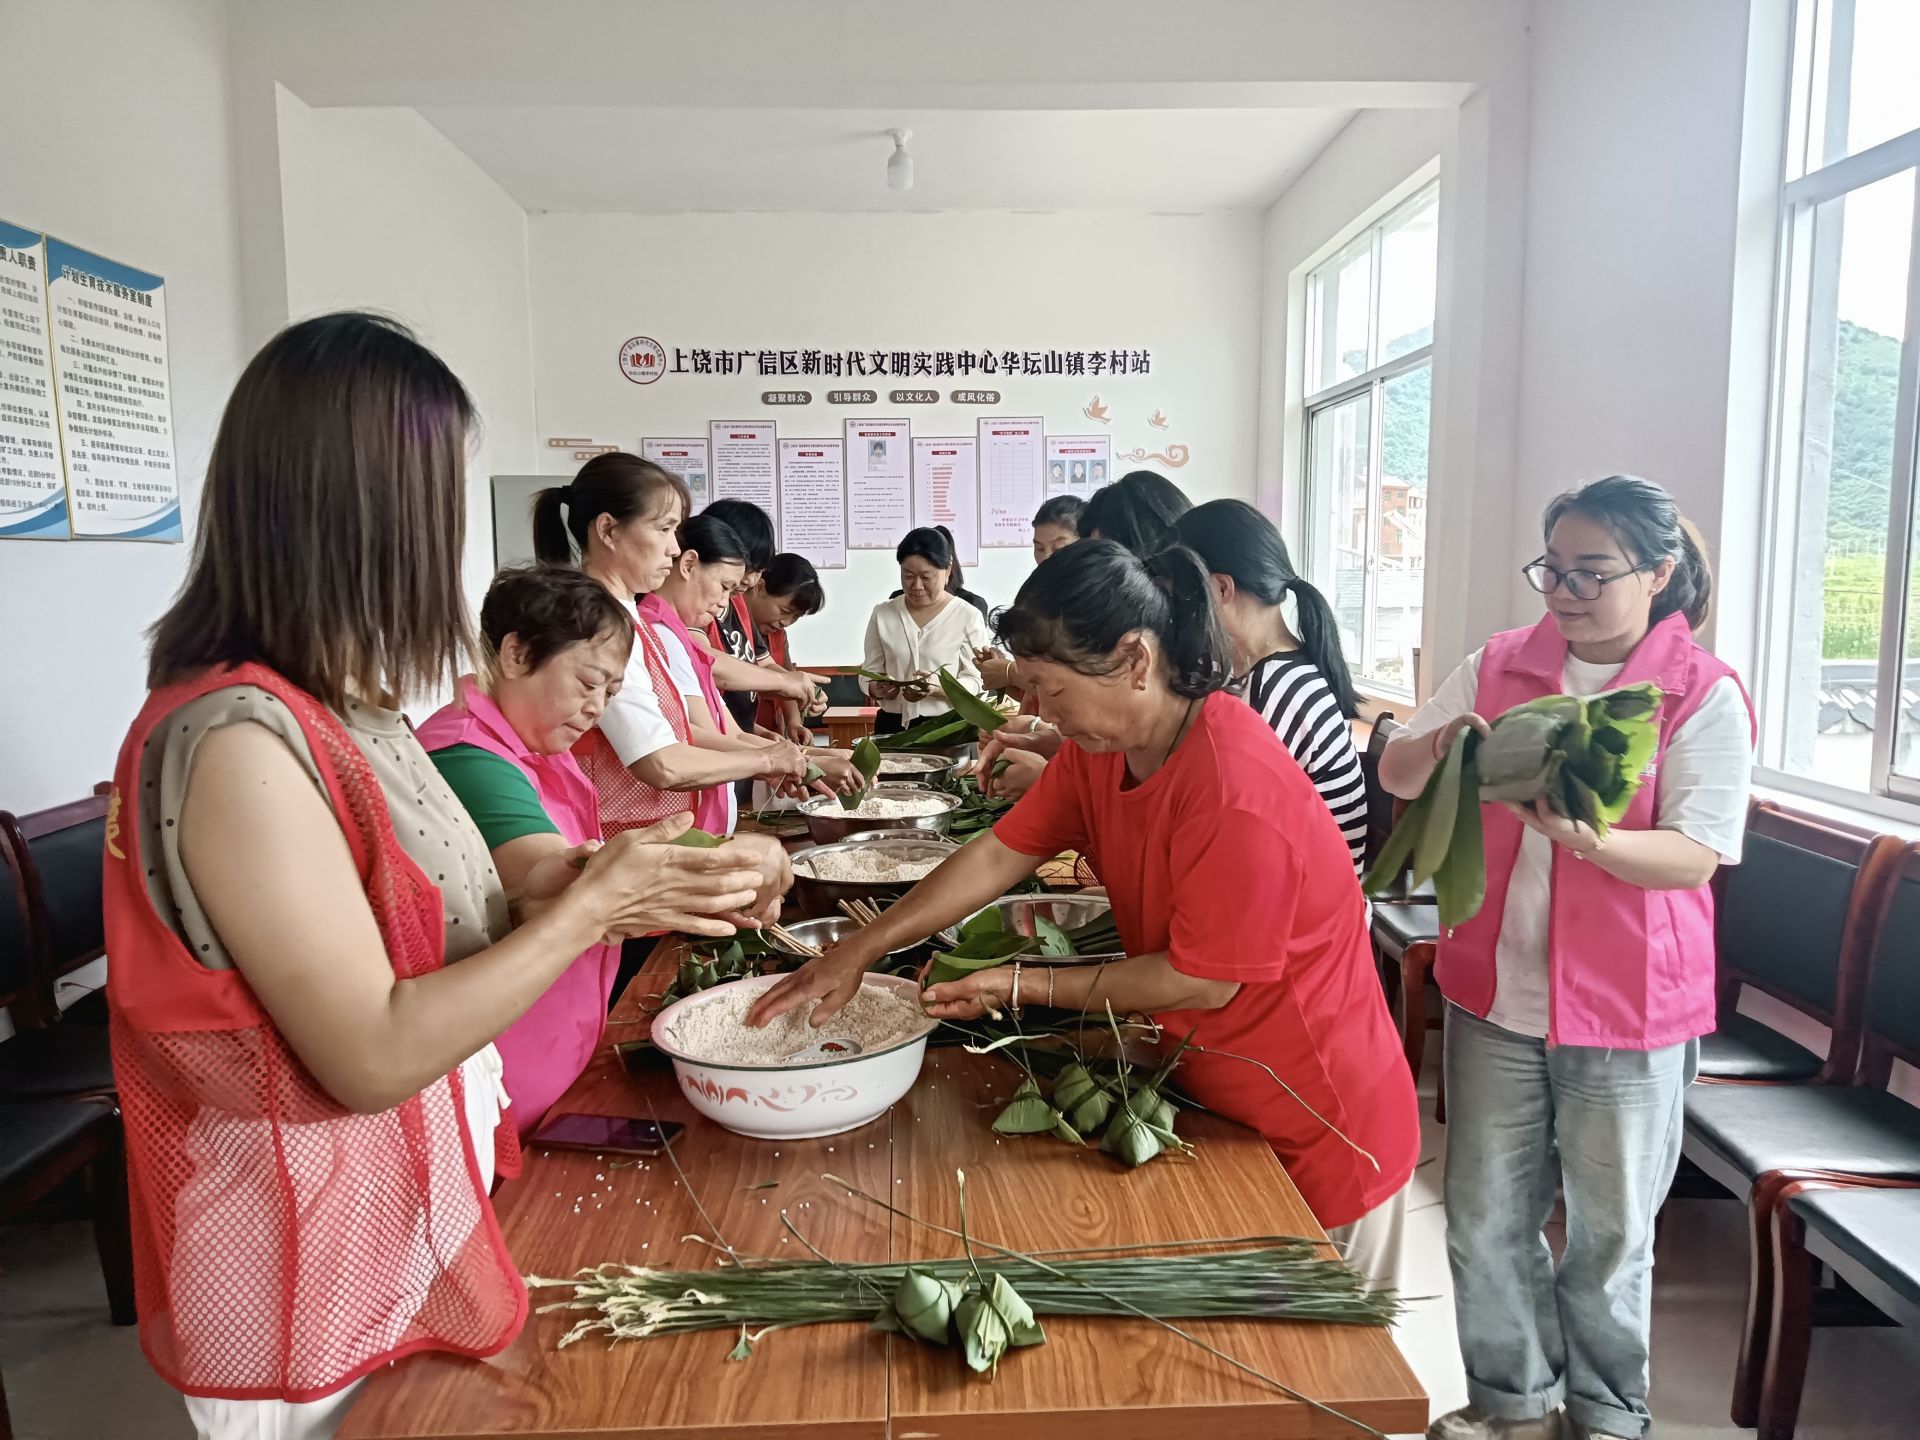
1577, 994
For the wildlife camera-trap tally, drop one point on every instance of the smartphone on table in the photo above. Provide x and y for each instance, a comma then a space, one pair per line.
603, 1134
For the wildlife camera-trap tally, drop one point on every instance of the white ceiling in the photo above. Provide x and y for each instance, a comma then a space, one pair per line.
660, 160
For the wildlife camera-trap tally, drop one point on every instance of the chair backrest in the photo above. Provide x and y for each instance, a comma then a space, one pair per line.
1379, 803
1790, 919
1890, 1022
18, 993
64, 848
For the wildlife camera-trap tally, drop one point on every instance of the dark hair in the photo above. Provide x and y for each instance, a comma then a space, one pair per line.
1643, 518
551, 608
793, 577
1232, 538
752, 524
1061, 510
621, 485
712, 539
1079, 606
331, 520
956, 577
1138, 510
931, 545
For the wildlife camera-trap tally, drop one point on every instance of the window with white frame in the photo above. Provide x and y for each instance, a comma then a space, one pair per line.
1369, 386
1840, 664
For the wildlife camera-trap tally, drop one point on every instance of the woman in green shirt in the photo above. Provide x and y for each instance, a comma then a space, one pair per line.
556, 645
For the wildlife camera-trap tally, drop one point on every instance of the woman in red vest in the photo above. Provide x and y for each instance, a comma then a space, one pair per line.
1577, 994
310, 1090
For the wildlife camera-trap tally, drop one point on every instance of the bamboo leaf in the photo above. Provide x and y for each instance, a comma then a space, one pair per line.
1398, 847
924, 1305
1053, 940
699, 840
1028, 1113
1460, 884
969, 706
866, 759
1437, 833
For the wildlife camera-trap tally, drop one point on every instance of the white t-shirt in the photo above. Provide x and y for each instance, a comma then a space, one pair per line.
632, 721
1700, 790
899, 647
680, 667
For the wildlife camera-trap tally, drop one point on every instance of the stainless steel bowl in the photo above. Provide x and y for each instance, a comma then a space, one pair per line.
1069, 912
932, 768
823, 897
820, 934
829, 823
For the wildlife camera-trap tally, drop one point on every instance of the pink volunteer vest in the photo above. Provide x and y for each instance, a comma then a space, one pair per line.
545, 1050
1628, 968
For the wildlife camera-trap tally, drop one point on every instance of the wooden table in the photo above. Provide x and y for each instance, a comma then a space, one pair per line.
1092, 1380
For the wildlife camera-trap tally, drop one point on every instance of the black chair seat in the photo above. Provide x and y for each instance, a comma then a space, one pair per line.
1744, 1049
1402, 891
1397, 926
1872, 1237
60, 1060
34, 1133
1737, 1133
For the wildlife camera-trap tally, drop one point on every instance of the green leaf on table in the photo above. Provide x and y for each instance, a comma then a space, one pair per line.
924, 1305
1027, 1113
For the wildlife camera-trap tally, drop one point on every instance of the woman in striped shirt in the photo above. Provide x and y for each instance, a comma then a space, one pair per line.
1298, 682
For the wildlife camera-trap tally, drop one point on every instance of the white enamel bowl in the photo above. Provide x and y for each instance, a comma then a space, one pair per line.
794, 1102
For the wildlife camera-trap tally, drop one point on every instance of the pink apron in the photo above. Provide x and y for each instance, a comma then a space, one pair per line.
547, 1048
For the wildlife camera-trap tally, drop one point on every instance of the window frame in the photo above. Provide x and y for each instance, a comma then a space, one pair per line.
1320, 320
1813, 95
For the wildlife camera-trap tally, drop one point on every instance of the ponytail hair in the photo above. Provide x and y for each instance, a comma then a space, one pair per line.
1234, 539
621, 485
1138, 510
1079, 608
956, 577
1650, 528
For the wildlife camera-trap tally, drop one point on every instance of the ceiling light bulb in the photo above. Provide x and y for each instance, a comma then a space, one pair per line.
900, 163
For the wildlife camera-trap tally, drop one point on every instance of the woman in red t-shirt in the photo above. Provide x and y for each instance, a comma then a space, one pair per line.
1231, 886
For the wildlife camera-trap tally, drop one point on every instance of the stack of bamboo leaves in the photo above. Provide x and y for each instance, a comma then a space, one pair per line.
1585, 758
970, 718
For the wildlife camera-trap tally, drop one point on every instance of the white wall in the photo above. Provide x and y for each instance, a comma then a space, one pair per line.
1186, 287
381, 212
1479, 149
119, 142
1633, 183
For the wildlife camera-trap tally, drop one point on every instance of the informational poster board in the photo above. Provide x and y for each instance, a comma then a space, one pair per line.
813, 500
1078, 464
946, 489
109, 328
879, 483
33, 487
1012, 479
745, 466
686, 458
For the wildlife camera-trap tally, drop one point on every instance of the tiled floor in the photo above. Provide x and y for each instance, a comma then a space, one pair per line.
71, 1376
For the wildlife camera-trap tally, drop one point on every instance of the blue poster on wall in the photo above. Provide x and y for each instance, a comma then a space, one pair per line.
109, 327
33, 490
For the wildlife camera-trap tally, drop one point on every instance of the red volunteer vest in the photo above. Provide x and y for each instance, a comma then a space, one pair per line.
285, 1246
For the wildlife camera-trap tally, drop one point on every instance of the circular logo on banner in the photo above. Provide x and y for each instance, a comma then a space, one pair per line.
643, 360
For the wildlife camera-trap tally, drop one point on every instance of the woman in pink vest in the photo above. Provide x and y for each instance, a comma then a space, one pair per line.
1577, 995
555, 647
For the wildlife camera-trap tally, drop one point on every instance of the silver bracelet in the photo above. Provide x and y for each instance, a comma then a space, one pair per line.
1052, 972
1013, 1001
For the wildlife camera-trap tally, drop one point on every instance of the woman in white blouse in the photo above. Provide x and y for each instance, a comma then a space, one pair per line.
918, 631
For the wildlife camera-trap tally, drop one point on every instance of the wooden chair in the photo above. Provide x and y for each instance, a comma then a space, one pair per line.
54, 858
1789, 924
45, 1143
1757, 1140
1869, 1234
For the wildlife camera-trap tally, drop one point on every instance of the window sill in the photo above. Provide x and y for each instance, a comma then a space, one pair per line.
1869, 812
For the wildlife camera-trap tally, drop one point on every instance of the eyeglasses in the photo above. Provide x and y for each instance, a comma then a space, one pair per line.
1581, 584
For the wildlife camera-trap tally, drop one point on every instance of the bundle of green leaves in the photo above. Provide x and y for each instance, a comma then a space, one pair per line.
986, 941
1585, 758
970, 718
